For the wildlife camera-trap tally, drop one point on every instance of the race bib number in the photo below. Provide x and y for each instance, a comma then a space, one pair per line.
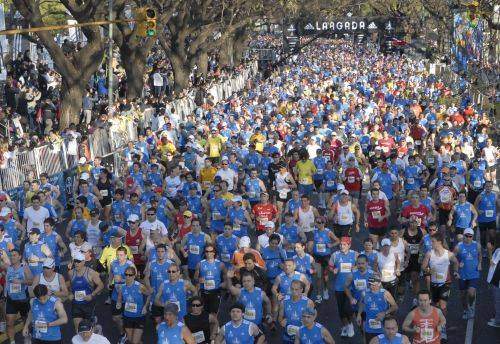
236, 228
418, 142
445, 196
351, 179
104, 193
319, 171
80, 295
249, 313
199, 337
345, 267
376, 214
488, 213
304, 181
225, 257
206, 184
439, 276
414, 248
194, 249
321, 248
265, 172
477, 183
374, 323
215, 216
430, 160
251, 194
387, 274
330, 183
14, 288
41, 326
131, 307
344, 217
292, 330
251, 166
134, 249
360, 284
410, 180
209, 284
283, 194
427, 333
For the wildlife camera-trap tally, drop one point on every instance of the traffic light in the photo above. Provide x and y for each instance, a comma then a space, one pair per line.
145, 19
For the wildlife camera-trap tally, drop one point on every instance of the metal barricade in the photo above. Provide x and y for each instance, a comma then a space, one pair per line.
49, 159
99, 143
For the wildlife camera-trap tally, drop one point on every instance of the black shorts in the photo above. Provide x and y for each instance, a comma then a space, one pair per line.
440, 292
211, 300
279, 199
17, 306
413, 264
191, 275
82, 310
443, 216
156, 311
342, 231
309, 236
134, 323
378, 231
343, 304
39, 341
318, 183
115, 311
483, 226
322, 260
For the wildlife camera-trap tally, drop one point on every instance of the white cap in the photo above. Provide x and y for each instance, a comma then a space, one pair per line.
237, 199
244, 241
85, 175
49, 263
191, 137
340, 187
78, 255
270, 224
133, 218
378, 148
5, 211
468, 231
385, 242
344, 192
82, 160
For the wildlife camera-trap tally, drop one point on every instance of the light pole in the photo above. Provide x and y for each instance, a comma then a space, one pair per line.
110, 57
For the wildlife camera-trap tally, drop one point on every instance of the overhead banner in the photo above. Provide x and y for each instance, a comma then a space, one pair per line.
347, 25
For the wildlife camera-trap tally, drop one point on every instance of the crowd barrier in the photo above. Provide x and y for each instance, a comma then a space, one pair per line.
59, 159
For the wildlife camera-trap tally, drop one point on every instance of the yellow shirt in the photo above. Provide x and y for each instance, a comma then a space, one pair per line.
214, 146
227, 196
305, 171
207, 176
109, 254
258, 140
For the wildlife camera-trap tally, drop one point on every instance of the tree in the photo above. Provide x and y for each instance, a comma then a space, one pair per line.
134, 49
77, 69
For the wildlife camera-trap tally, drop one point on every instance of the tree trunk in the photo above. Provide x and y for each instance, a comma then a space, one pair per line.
135, 68
239, 45
181, 73
226, 53
203, 63
71, 104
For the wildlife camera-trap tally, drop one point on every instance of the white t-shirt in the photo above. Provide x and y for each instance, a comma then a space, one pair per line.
157, 79
263, 240
147, 227
94, 339
228, 176
35, 218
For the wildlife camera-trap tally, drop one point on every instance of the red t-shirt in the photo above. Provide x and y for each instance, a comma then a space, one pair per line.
420, 212
376, 209
352, 179
134, 241
387, 145
263, 213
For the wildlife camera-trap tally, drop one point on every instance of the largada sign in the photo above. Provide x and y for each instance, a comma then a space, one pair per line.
347, 25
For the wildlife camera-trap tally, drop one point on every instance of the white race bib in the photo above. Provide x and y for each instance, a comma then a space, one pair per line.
250, 313
387, 274
131, 307
345, 267
418, 142
321, 248
194, 249
104, 193
292, 330
199, 337
360, 284
330, 183
488, 213
283, 194
319, 171
41, 326
414, 248
225, 257
477, 183
304, 181
427, 333
375, 324
351, 179
80, 295
14, 288
410, 180
134, 249
209, 284
215, 215
265, 172
430, 160
376, 214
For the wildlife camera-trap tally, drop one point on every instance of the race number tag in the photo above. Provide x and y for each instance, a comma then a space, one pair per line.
477, 183
225, 257
376, 214
330, 183
80, 295
199, 337
209, 284
250, 313
374, 323
194, 249
410, 180
387, 274
360, 284
283, 194
345, 267
134, 249
131, 307
321, 248
104, 193
319, 171
427, 333
292, 330
351, 179
14, 288
488, 213
41, 326
414, 248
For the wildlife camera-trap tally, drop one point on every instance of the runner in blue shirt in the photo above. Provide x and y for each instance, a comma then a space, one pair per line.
172, 330
239, 330
312, 331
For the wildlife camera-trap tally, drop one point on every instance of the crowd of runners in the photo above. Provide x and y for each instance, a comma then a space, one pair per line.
347, 178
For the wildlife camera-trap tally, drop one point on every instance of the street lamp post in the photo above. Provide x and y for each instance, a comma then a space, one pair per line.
110, 57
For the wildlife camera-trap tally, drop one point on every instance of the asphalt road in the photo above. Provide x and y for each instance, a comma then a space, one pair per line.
328, 315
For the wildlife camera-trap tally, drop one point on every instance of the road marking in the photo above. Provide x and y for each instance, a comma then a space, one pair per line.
470, 328
18, 328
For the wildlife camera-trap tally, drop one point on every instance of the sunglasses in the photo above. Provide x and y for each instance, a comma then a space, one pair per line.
151, 214
130, 275
224, 163
196, 305
46, 267
77, 261
468, 235
172, 271
319, 222
187, 217
209, 251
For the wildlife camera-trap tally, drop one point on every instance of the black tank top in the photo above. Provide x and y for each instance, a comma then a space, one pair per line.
198, 324
413, 241
104, 189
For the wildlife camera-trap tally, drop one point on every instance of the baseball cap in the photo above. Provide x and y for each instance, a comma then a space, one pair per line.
374, 278
5, 211
85, 176
49, 263
237, 199
133, 218
85, 326
188, 213
385, 242
78, 255
82, 160
35, 231
244, 241
344, 192
468, 231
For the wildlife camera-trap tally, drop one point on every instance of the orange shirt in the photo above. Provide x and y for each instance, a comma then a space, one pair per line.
429, 333
238, 258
